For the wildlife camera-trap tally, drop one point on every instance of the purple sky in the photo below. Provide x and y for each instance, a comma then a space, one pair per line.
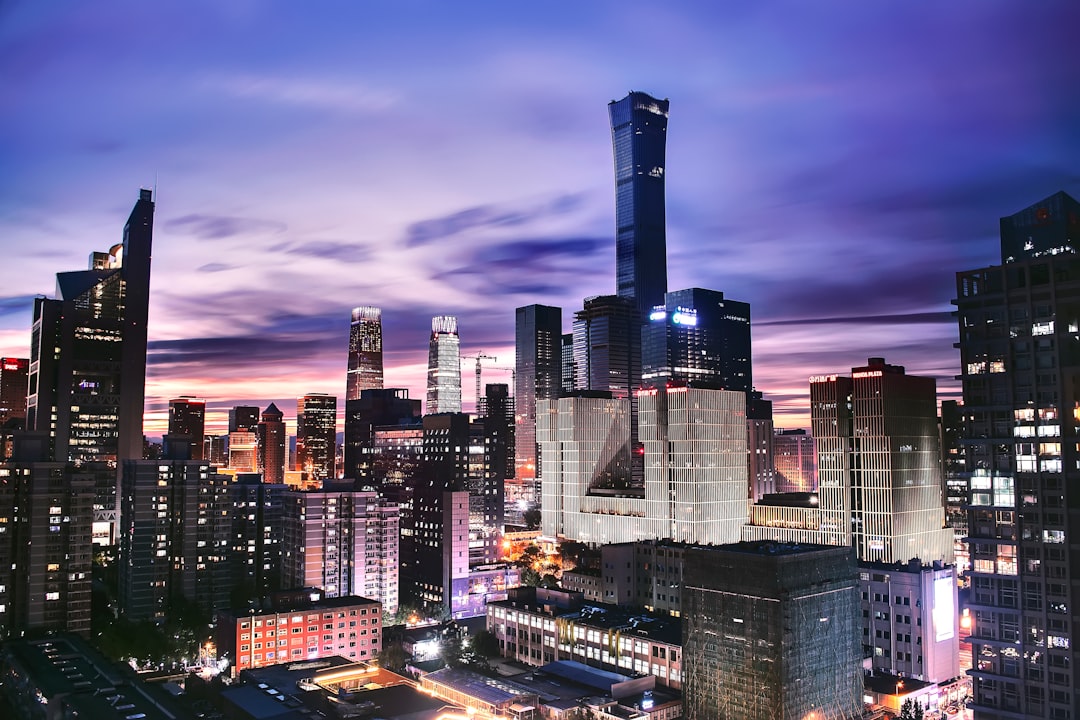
832, 164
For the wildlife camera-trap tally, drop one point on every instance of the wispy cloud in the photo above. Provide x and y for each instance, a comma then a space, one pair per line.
219, 227
346, 94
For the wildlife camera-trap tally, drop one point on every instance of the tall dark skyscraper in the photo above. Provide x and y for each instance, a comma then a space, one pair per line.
316, 436
1019, 326
271, 448
13, 378
698, 336
243, 418
365, 352
374, 407
639, 136
444, 366
88, 351
538, 364
187, 416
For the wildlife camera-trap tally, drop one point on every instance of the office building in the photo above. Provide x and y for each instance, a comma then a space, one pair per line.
316, 436
569, 368
243, 418
365, 352
257, 515
498, 467
695, 468
955, 482
87, 373
698, 336
759, 444
187, 416
444, 366
771, 631
1018, 323
300, 626
271, 445
538, 376
175, 519
795, 461
216, 450
243, 451
607, 346
639, 140
14, 374
46, 515
537, 626
343, 542
911, 627
374, 408
878, 464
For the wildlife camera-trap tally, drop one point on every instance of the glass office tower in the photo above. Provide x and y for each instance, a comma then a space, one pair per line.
639, 138
444, 366
365, 352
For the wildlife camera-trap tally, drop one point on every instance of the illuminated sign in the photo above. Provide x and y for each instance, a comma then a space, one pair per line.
657, 315
684, 318
866, 374
822, 378
944, 608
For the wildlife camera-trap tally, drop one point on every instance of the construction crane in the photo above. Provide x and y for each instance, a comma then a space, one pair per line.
479, 357
513, 377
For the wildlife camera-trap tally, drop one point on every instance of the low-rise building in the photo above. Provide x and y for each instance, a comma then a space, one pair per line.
537, 626
300, 625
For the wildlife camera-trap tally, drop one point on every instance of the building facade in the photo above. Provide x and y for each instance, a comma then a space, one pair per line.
271, 437
299, 626
257, 536
343, 542
639, 140
771, 631
365, 352
538, 376
14, 375
1020, 360
444, 366
374, 408
878, 464
795, 461
316, 436
187, 416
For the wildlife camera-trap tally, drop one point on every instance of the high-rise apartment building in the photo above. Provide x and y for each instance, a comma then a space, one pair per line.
175, 519
771, 631
365, 352
344, 542
694, 458
46, 514
316, 436
698, 336
538, 363
444, 366
1020, 361
639, 139
878, 463
187, 416
271, 445
257, 536
87, 376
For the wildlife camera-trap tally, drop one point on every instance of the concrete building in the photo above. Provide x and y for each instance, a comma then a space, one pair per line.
771, 631
694, 450
343, 542
297, 626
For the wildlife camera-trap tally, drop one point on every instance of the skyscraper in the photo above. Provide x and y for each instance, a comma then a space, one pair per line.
87, 378
13, 378
365, 351
187, 416
243, 417
316, 436
88, 351
444, 366
878, 473
271, 446
374, 407
639, 138
538, 365
1020, 360
698, 336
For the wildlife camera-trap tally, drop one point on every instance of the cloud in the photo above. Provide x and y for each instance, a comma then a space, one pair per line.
425, 232
332, 250
219, 227
346, 95
215, 267
897, 319
17, 305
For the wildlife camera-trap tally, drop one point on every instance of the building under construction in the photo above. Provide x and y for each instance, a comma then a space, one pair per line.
771, 631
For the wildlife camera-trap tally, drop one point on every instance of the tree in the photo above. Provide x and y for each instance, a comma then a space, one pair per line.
393, 657
531, 518
484, 643
911, 710
530, 577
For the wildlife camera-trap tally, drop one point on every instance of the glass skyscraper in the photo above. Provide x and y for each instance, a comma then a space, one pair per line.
444, 366
365, 352
538, 364
639, 137
316, 436
1019, 325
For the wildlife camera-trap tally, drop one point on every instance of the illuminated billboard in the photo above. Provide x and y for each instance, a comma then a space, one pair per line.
944, 608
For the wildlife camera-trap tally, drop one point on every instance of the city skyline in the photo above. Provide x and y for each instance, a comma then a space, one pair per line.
292, 186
